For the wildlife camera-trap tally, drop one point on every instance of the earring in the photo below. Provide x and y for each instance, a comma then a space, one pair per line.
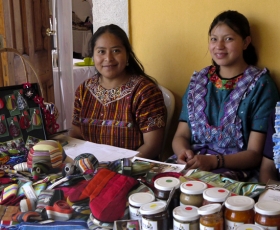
3, 128
24, 121
21, 103
36, 120
14, 130
11, 103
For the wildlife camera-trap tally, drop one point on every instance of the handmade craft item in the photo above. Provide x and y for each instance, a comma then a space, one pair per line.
45, 157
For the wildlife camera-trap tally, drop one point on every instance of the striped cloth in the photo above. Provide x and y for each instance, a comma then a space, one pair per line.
241, 188
46, 152
118, 116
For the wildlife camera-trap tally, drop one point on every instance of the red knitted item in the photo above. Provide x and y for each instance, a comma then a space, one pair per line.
76, 190
97, 183
110, 204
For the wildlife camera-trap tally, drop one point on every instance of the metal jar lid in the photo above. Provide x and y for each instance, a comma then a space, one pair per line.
152, 208
270, 208
215, 194
239, 203
140, 198
186, 213
209, 209
167, 183
193, 187
249, 227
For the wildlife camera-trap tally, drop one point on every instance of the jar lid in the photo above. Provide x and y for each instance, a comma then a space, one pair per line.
139, 198
167, 183
152, 208
186, 213
270, 208
215, 194
209, 209
249, 227
193, 187
239, 203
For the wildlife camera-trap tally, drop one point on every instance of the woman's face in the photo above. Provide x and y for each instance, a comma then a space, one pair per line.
109, 55
226, 46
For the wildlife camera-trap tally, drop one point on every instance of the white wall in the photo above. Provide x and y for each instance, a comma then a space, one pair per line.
110, 12
82, 9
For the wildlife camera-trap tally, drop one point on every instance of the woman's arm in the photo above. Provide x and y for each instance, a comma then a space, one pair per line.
268, 170
250, 158
181, 143
153, 142
75, 132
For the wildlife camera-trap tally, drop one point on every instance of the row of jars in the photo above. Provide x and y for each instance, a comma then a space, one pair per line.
195, 206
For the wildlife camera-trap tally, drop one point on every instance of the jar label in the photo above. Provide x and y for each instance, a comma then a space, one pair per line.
134, 213
231, 225
201, 226
267, 227
149, 225
179, 226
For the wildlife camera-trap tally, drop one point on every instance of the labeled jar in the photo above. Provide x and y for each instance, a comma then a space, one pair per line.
191, 193
164, 185
135, 202
210, 217
215, 195
267, 214
154, 216
185, 218
249, 227
239, 210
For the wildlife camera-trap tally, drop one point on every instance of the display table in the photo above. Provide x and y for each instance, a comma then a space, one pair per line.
81, 39
63, 100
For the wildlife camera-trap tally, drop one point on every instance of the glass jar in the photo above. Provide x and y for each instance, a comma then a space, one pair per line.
185, 218
267, 214
239, 210
191, 193
249, 227
154, 216
163, 187
210, 217
135, 202
215, 195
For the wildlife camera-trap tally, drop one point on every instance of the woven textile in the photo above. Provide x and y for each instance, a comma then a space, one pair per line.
118, 116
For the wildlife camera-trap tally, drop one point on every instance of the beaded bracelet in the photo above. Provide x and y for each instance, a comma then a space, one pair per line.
222, 161
218, 161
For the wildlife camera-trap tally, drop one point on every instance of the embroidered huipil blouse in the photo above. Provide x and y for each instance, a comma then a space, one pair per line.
221, 113
119, 116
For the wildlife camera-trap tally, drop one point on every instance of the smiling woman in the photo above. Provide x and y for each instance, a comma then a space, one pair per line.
121, 105
226, 106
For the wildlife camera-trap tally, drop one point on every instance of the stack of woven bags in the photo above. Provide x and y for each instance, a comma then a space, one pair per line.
42, 193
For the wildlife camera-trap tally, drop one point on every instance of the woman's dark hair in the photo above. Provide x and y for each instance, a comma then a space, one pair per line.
239, 24
135, 66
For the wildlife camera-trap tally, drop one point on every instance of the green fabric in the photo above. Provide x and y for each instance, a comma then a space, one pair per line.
240, 188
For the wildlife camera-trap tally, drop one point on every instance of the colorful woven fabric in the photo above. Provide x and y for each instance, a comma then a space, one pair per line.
119, 116
86, 163
44, 200
96, 185
57, 225
110, 204
27, 205
46, 152
7, 217
59, 211
8, 194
